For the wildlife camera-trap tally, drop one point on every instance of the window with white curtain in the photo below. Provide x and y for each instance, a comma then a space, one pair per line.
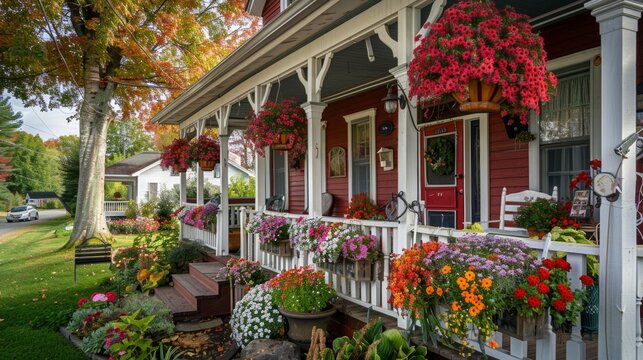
565, 124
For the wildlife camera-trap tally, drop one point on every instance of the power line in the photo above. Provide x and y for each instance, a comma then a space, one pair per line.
43, 122
38, 129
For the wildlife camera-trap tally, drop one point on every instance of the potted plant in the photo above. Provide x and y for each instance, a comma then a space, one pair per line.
546, 289
306, 233
176, 156
243, 274
303, 298
513, 126
541, 216
362, 207
487, 59
209, 216
206, 151
283, 126
360, 252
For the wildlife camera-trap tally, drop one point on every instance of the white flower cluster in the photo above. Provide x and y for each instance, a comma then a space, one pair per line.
254, 222
305, 233
255, 317
330, 248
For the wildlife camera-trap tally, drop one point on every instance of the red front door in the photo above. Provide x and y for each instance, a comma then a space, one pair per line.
442, 175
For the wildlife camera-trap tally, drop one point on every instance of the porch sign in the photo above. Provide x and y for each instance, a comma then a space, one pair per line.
580, 204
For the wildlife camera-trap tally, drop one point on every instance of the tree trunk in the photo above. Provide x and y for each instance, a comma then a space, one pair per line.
90, 220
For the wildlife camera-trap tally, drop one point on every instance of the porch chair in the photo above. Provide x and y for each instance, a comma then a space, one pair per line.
510, 203
276, 203
327, 204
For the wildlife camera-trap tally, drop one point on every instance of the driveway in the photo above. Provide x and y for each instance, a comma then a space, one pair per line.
6, 228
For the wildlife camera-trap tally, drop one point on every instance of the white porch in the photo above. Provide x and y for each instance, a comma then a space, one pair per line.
311, 66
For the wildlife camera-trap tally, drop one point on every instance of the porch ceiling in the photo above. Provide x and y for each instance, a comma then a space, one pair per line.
349, 68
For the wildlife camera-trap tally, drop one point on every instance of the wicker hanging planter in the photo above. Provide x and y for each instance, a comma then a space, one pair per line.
179, 169
207, 165
483, 97
281, 142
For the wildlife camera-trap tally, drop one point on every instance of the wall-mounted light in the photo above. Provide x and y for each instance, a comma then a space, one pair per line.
386, 158
391, 99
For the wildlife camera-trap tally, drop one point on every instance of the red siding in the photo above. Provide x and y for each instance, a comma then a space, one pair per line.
567, 37
296, 190
271, 9
337, 135
508, 164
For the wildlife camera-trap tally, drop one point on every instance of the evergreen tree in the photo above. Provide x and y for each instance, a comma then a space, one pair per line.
9, 123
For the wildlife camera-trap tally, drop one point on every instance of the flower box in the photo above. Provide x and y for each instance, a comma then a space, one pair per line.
361, 270
522, 327
326, 266
281, 248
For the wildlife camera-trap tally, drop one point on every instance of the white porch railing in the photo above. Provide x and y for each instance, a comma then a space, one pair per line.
374, 293
207, 237
115, 208
366, 293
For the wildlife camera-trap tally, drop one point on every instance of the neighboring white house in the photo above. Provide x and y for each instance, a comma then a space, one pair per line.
39, 199
144, 178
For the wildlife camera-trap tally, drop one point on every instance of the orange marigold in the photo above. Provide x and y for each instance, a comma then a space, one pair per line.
430, 290
446, 269
486, 283
469, 275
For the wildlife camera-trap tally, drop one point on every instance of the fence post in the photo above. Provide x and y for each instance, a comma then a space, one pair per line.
242, 232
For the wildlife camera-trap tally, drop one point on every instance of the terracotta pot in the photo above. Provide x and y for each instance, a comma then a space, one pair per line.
483, 97
179, 169
207, 165
300, 325
281, 142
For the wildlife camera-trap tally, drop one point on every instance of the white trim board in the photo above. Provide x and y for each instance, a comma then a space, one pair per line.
350, 119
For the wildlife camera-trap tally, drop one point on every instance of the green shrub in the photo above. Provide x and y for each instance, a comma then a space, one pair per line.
52, 204
181, 256
241, 188
167, 202
161, 242
162, 324
148, 208
132, 210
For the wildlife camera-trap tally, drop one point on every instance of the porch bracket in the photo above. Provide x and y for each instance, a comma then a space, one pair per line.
369, 49
223, 115
314, 80
259, 96
386, 38
436, 11
319, 81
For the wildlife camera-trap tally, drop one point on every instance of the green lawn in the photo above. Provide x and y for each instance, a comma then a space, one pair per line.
37, 283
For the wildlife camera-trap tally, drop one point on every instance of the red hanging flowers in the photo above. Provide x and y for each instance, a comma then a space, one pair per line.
476, 41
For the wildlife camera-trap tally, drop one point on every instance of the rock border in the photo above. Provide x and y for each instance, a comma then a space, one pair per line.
78, 343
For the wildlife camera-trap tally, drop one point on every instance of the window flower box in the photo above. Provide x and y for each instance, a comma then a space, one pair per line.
280, 248
523, 327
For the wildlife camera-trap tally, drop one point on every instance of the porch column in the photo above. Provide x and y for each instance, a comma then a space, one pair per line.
183, 179
314, 112
200, 126
224, 193
222, 116
618, 311
257, 98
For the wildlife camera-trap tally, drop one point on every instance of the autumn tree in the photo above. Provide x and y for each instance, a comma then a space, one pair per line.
110, 58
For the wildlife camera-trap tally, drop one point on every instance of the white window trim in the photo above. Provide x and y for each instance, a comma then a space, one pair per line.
350, 119
286, 175
283, 4
595, 96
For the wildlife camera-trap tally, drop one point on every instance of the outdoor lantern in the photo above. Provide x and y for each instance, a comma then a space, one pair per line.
390, 101
386, 158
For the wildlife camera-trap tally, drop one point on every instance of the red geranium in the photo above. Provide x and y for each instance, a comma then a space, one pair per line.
549, 263
560, 305
533, 280
110, 296
362, 207
543, 273
177, 155
205, 148
586, 280
82, 300
533, 301
520, 293
543, 288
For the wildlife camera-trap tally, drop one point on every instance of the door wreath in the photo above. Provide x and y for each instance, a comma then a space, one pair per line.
440, 156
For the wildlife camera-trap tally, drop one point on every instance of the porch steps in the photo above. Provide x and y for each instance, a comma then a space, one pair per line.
198, 294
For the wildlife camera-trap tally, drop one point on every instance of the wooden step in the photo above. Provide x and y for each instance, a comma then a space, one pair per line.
192, 289
179, 305
208, 274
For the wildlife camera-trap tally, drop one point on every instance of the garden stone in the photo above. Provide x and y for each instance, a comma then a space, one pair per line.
269, 349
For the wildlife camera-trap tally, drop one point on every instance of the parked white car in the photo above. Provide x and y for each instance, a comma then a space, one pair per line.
22, 213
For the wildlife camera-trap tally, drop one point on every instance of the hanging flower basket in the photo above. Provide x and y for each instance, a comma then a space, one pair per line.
513, 126
474, 45
206, 151
176, 156
283, 126
483, 97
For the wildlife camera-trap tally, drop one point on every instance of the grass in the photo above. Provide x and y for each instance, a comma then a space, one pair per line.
38, 285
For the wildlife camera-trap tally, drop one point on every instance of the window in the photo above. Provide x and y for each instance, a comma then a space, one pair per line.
564, 132
280, 173
361, 153
152, 190
286, 3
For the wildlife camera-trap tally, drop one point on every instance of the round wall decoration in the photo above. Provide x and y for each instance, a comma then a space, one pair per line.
385, 128
440, 156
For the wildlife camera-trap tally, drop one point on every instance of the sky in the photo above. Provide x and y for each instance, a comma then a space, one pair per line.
48, 125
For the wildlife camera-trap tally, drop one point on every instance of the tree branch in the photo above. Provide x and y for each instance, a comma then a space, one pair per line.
150, 86
76, 18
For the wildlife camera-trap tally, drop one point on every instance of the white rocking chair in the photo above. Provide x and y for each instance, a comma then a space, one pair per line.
510, 203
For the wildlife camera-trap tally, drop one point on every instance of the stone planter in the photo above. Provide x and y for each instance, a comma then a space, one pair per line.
483, 97
521, 327
300, 325
280, 248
